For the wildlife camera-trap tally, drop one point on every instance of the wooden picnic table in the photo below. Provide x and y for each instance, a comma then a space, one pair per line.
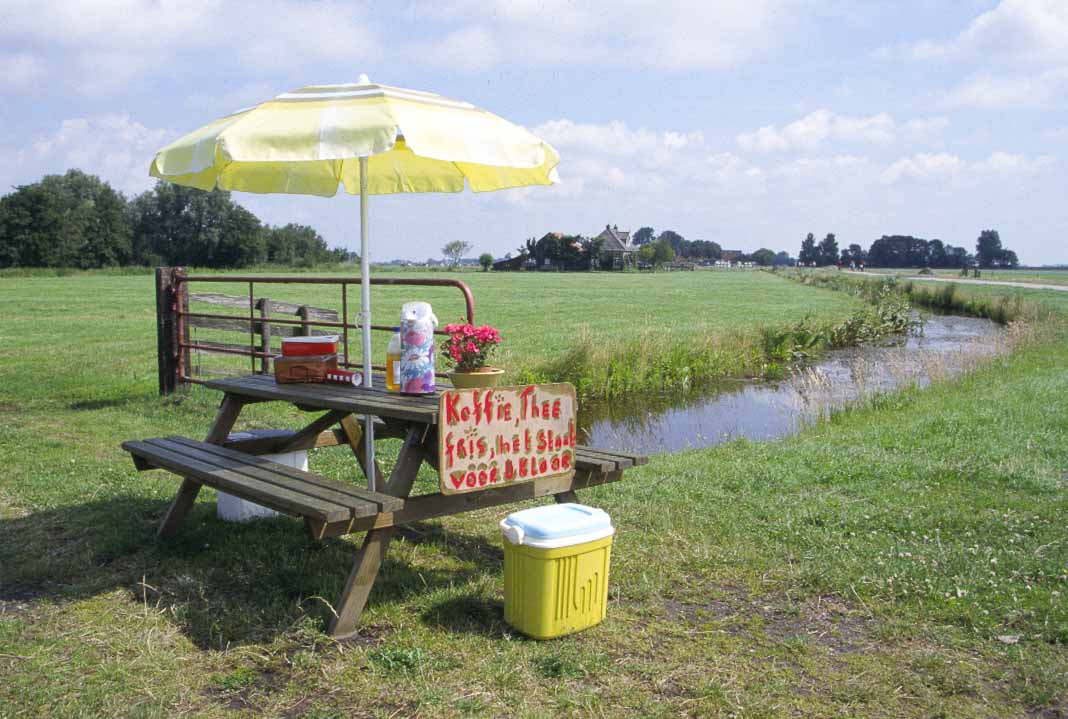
330, 507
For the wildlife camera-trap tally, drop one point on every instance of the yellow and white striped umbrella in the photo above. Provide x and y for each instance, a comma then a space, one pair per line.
309, 140
373, 140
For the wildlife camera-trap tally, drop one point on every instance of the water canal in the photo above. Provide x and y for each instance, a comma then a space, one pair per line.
759, 411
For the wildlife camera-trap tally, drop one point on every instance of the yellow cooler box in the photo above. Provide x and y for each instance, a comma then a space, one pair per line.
556, 569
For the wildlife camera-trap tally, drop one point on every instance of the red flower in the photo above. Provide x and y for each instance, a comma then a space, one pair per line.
468, 346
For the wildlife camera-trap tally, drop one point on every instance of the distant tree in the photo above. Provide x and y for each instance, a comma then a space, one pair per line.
808, 253
69, 220
486, 260
909, 251
643, 235
663, 252
988, 248
456, 250
936, 253
763, 257
853, 253
676, 241
178, 225
827, 252
703, 250
783, 259
298, 246
990, 253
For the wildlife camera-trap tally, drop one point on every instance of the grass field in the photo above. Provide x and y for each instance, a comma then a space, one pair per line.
909, 557
1031, 276
540, 317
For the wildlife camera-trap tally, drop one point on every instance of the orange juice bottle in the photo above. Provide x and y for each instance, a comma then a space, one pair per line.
393, 356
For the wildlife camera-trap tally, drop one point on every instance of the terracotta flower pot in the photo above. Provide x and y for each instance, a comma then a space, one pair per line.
484, 377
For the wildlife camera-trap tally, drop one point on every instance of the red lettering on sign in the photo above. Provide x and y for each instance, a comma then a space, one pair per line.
451, 415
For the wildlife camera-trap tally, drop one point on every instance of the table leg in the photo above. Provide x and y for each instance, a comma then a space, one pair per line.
187, 493
354, 434
568, 496
369, 560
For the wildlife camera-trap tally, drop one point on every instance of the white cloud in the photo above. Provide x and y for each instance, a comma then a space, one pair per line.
923, 166
1003, 91
924, 127
1058, 134
115, 147
1023, 31
19, 70
817, 127
471, 49
942, 165
113, 42
828, 167
671, 34
1006, 163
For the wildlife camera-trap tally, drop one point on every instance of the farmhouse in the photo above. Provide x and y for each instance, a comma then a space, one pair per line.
617, 251
731, 256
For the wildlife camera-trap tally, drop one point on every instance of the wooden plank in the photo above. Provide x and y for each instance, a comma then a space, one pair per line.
359, 583
621, 461
225, 418
276, 307
265, 334
277, 329
166, 334
428, 506
268, 495
596, 464
270, 472
381, 502
353, 431
378, 391
313, 430
330, 438
229, 410
406, 469
636, 460
353, 400
365, 569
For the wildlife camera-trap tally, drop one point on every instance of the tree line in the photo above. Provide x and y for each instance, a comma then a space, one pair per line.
701, 249
909, 251
78, 220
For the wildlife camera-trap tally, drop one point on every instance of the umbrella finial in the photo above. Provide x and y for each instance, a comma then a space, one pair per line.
363, 79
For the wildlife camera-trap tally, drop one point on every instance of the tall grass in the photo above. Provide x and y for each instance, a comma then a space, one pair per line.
657, 361
1002, 309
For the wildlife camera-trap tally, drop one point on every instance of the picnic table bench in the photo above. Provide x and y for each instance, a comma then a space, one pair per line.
331, 507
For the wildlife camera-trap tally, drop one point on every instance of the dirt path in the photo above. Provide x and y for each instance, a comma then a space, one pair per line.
962, 281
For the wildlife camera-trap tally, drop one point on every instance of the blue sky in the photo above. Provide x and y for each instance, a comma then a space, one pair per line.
747, 122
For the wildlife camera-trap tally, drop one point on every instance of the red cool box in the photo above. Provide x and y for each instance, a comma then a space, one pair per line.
304, 346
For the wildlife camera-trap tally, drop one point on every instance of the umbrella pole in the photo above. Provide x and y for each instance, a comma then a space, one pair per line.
365, 325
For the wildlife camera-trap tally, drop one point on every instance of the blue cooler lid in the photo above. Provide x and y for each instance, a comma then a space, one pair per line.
557, 525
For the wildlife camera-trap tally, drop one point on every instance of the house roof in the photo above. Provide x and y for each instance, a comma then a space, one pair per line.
731, 255
616, 240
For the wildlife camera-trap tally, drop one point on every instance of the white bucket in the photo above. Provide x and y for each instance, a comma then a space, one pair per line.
234, 509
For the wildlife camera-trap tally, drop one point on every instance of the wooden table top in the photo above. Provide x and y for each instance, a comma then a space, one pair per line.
376, 401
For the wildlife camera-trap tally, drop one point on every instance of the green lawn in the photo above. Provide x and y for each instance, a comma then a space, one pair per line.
907, 558
1032, 276
111, 319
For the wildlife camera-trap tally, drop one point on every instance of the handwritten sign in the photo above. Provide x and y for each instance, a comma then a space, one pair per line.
497, 436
